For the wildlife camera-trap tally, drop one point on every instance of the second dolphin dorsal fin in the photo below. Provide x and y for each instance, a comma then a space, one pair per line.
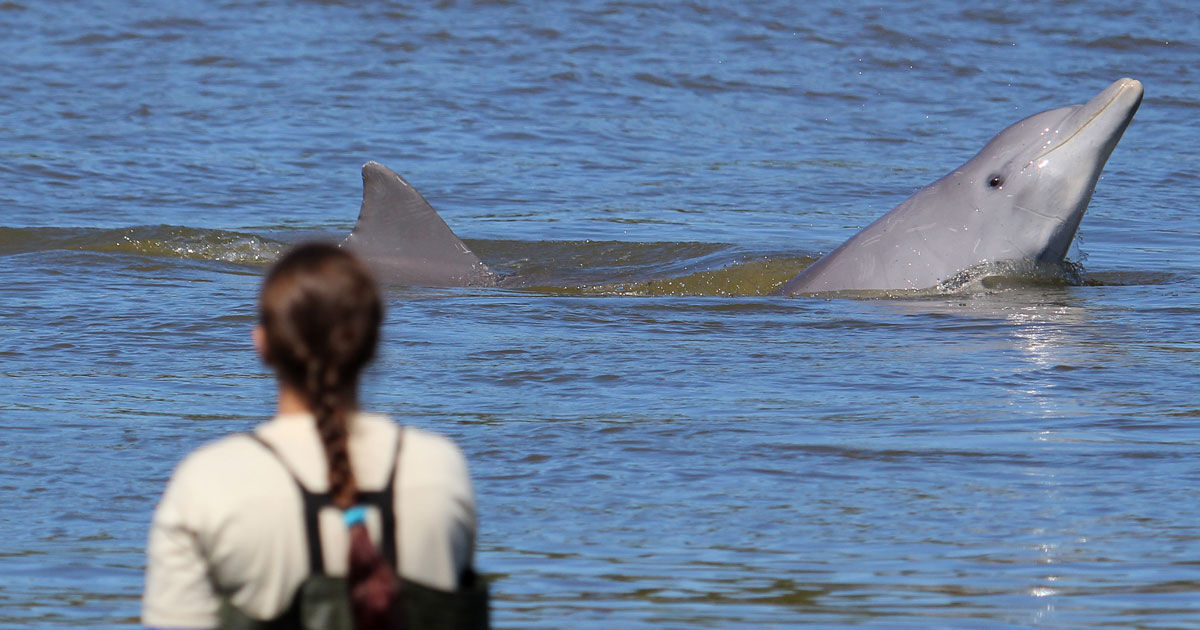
404, 241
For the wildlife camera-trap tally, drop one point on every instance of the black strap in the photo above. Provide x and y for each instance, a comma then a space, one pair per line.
385, 501
314, 502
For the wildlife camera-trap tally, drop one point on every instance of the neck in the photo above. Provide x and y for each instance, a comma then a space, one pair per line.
290, 401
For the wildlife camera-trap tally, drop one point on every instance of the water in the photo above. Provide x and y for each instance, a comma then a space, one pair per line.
654, 444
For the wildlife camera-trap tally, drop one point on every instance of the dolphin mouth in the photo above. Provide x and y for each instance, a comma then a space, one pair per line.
1111, 109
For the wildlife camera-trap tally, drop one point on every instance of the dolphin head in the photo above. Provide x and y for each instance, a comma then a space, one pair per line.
1019, 199
1030, 186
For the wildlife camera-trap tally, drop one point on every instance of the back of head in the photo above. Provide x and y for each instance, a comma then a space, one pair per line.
320, 312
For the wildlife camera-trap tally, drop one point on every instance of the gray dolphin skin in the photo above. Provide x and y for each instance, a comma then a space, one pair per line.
1021, 198
404, 241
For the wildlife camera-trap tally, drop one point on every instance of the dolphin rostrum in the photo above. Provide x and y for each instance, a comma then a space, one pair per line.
1020, 199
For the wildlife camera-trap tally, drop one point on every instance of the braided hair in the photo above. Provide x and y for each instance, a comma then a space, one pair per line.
320, 312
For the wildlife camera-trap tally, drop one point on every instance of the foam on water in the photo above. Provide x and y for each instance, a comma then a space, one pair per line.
153, 241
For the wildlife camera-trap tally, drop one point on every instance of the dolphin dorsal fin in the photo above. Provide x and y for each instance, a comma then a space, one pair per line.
405, 241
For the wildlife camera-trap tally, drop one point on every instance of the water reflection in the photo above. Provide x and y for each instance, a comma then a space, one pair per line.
1047, 344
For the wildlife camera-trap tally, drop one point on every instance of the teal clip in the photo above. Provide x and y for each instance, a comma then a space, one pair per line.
355, 515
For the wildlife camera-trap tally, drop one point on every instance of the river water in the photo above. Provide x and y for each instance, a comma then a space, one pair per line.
655, 443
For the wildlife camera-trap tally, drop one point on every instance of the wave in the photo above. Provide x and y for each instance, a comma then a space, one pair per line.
583, 268
1132, 43
1008, 274
162, 241
637, 268
557, 267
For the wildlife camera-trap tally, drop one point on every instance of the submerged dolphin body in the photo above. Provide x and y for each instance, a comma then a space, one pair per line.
1021, 198
404, 241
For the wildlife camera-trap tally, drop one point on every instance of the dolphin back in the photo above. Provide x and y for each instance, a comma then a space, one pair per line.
404, 241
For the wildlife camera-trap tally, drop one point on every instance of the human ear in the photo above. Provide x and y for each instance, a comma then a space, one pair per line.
259, 337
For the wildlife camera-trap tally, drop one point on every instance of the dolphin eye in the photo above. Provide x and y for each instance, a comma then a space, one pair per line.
996, 181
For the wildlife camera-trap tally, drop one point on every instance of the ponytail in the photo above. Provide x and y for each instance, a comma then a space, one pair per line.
320, 311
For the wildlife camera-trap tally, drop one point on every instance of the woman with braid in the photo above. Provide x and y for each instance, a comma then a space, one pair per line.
307, 521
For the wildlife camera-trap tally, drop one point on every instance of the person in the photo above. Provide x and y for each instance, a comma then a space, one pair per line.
232, 543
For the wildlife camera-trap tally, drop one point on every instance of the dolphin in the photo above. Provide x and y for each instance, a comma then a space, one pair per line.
404, 241
1020, 199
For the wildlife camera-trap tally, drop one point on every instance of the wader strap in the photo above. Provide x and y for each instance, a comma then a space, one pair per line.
314, 502
385, 501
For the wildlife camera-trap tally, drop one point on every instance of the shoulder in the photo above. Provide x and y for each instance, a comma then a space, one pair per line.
433, 465
429, 442
217, 473
431, 451
231, 454
416, 445
425, 458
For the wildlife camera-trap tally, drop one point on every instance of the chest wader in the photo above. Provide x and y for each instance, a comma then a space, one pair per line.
322, 602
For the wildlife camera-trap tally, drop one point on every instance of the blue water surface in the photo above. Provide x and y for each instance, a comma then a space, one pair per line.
1008, 458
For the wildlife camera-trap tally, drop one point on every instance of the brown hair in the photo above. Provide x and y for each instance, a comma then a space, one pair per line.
320, 312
